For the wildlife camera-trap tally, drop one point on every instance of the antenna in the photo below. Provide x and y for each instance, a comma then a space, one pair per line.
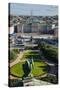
31, 20
31, 12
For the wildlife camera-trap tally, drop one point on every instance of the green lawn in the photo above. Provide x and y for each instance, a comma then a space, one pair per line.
29, 54
39, 69
17, 70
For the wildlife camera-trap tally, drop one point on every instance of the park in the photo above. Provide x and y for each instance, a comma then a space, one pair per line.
29, 64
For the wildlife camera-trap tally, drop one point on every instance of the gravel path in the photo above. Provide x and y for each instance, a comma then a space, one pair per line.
17, 60
35, 82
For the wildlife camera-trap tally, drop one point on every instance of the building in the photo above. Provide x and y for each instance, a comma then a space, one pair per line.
32, 25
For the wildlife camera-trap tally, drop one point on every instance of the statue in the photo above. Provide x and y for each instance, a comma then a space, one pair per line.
27, 68
31, 65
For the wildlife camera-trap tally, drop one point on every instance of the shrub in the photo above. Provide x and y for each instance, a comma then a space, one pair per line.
50, 52
51, 79
13, 55
15, 83
16, 50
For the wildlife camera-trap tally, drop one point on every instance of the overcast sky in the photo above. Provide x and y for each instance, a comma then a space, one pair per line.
37, 10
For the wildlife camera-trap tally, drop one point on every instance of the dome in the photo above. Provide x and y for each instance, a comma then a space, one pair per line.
33, 20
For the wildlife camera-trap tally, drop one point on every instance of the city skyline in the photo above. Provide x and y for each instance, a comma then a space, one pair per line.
36, 9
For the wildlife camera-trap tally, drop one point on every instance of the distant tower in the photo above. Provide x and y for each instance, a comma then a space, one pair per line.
31, 15
31, 20
31, 12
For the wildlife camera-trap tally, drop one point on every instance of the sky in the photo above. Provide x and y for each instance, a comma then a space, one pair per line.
34, 9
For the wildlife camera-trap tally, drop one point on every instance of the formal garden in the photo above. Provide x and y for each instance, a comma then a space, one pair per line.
38, 67
28, 54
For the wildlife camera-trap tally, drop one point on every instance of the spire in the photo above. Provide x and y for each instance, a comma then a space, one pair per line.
31, 12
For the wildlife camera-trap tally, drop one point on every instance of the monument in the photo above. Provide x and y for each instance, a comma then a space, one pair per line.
27, 68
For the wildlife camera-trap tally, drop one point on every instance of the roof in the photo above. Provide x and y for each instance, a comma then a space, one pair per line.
32, 20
